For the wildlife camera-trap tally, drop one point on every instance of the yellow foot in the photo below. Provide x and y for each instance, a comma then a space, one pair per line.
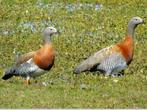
27, 81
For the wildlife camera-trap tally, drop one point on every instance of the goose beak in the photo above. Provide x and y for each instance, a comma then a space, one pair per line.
142, 22
58, 32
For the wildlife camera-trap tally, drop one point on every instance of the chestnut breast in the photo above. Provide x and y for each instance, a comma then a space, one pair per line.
126, 48
44, 57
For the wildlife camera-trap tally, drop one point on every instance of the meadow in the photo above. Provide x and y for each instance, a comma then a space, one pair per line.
85, 26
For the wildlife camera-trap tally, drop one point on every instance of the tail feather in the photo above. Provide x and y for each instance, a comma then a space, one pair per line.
8, 73
77, 70
82, 67
90, 64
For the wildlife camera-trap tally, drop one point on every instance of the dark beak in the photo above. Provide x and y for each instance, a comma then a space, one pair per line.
143, 22
58, 32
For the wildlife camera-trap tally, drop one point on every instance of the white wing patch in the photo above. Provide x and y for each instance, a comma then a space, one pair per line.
29, 68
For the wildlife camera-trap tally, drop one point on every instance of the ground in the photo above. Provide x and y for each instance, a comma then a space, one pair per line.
85, 27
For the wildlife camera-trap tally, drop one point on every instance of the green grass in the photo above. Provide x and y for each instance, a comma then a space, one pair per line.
84, 30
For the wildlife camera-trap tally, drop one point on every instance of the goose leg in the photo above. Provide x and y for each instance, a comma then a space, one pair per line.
27, 81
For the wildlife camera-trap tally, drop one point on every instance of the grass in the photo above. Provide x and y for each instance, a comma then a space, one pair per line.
86, 26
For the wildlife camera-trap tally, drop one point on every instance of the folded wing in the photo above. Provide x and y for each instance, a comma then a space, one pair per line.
95, 59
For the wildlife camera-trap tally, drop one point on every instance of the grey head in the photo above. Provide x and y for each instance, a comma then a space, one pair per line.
133, 24
48, 32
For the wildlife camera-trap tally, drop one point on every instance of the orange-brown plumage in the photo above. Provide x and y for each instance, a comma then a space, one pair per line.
34, 63
44, 57
115, 58
126, 48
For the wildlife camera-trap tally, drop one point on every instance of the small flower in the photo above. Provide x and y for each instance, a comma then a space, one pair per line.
44, 83
115, 80
27, 11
